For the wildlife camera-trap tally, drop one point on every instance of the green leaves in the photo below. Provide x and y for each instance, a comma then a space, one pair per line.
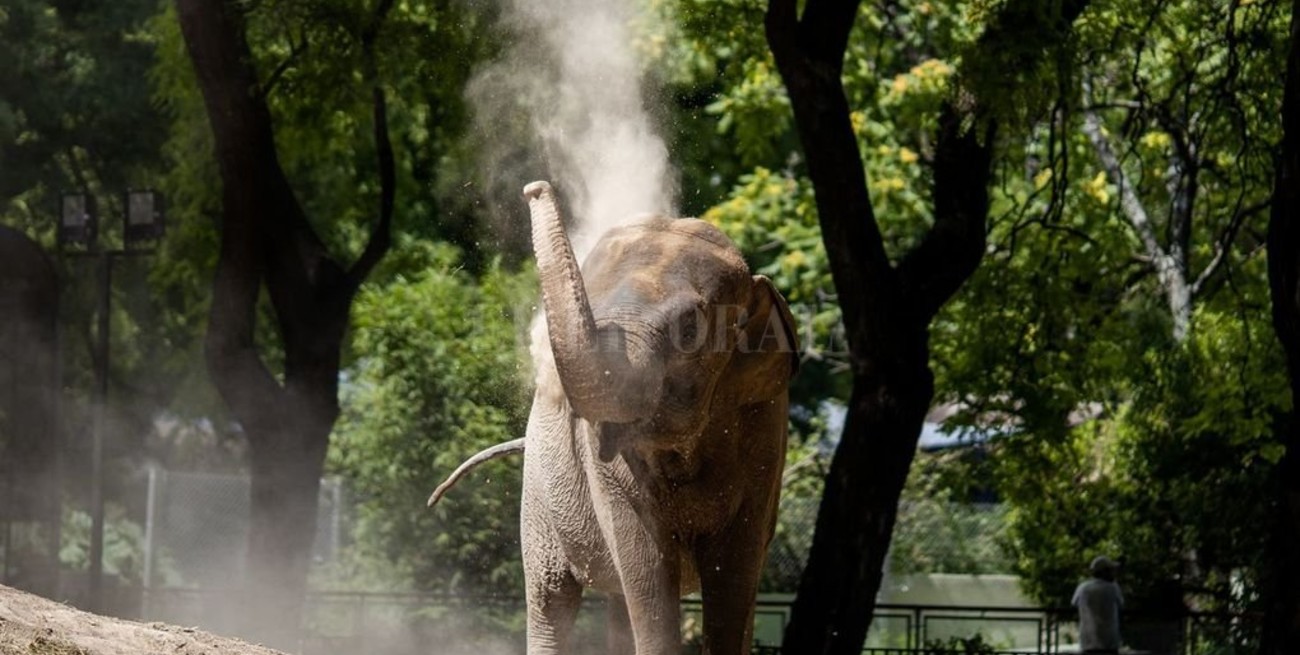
1125, 441
938, 529
439, 375
754, 110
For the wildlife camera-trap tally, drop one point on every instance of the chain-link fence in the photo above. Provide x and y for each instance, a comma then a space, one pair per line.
196, 531
929, 537
196, 528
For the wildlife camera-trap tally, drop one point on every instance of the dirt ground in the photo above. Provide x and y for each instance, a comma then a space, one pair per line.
32, 625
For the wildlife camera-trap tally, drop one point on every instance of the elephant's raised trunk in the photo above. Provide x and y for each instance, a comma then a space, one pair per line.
598, 379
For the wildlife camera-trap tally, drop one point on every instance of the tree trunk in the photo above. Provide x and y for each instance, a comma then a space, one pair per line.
266, 241
886, 317
31, 442
1170, 262
887, 308
837, 593
282, 527
1282, 590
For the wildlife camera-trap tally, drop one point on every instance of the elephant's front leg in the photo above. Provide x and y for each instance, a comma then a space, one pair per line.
729, 565
651, 580
553, 594
618, 629
730, 560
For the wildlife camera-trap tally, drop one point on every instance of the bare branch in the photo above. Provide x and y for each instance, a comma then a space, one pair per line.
371, 31
855, 247
1130, 204
782, 25
1224, 243
241, 128
273, 80
1132, 105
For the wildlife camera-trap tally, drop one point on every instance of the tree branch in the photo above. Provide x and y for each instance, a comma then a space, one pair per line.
283, 67
781, 24
951, 250
214, 37
1130, 205
1224, 243
824, 30
1281, 595
370, 33
853, 241
381, 236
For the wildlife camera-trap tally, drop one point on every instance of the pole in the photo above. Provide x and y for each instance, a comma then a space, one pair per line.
97, 436
150, 510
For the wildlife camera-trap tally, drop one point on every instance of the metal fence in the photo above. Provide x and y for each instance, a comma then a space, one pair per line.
195, 534
337, 623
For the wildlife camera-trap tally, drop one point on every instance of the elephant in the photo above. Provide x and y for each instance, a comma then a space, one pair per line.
656, 441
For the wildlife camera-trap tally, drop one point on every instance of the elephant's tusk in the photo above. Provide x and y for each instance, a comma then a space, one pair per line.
513, 447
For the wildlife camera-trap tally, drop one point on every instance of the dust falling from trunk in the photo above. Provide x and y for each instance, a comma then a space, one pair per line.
566, 102
573, 74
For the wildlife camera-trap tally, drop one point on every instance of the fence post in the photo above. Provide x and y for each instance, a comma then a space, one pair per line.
918, 625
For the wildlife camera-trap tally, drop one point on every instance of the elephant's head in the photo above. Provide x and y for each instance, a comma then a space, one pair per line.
662, 322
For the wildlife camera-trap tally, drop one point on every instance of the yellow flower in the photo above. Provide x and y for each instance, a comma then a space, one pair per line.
858, 120
891, 184
907, 155
793, 259
1156, 140
1096, 187
1044, 176
932, 68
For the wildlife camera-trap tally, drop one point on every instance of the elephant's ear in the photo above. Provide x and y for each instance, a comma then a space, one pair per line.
767, 345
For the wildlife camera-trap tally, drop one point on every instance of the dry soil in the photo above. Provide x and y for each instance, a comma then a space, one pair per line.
32, 625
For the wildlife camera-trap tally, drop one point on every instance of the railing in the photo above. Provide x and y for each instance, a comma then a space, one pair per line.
401, 623
1015, 629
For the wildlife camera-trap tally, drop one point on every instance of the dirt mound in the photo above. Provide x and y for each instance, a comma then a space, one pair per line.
32, 625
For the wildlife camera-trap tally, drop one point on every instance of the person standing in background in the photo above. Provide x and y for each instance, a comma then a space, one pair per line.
1099, 601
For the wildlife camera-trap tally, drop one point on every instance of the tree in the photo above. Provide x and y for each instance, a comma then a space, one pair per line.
1282, 595
268, 242
1170, 473
1124, 437
74, 94
31, 440
887, 307
1183, 87
440, 378
76, 113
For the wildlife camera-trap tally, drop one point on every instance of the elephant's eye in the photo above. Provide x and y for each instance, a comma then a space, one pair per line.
686, 330
689, 328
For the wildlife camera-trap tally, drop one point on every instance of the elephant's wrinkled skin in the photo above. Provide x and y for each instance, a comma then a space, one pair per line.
655, 446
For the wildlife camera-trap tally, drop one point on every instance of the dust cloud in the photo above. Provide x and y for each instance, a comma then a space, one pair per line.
566, 102
573, 76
